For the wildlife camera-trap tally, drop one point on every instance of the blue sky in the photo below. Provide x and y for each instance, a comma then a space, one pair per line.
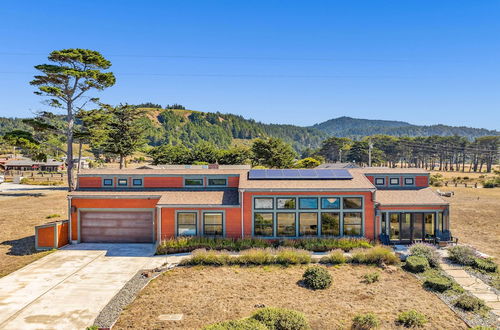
298, 62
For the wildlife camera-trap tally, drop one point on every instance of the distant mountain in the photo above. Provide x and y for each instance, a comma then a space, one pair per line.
356, 128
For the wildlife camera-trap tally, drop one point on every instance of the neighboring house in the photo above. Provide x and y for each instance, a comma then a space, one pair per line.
150, 205
30, 165
84, 162
338, 165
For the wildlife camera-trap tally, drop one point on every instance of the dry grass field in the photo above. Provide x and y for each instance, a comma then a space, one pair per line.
212, 294
20, 212
475, 218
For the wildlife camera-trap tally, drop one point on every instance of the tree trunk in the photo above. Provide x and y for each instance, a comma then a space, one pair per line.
122, 161
69, 154
79, 157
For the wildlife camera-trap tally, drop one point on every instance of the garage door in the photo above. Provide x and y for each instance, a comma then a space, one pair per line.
116, 227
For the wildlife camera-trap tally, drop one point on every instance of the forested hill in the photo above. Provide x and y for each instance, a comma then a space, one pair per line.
355, 128
179, 126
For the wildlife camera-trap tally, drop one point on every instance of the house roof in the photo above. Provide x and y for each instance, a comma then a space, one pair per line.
425, 196
225, 197
389, 170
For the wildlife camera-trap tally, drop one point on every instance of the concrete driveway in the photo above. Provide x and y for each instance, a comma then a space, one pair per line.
68, 288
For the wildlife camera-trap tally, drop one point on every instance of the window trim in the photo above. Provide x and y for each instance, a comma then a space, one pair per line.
177, 223
379, 184
107, 185
273, 224
221, 212
350, 224
137, 185
217, 185
317, 224
295, 223
308, 208
409, 184
193, 185
394, 184
122, 185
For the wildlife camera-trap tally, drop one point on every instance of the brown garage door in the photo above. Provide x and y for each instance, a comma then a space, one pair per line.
116, 227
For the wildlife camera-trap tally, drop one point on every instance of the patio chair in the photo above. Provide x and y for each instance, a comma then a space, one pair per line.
445, 237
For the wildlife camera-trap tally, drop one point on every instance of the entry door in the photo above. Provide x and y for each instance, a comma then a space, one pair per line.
418, 225
406, 222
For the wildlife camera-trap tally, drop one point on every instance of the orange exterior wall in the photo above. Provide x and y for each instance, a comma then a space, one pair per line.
163, 182
45, 236
368, 207
233, 181
62, 234
89, 182
232, 220
106, 203
421, 181
370, 178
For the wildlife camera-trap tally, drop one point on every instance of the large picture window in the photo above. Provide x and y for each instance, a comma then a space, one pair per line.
429, 225
285, 224
353, 203
263, 224
330, 224
263, 203
285, 203
308, 203
213, 224
352, 223
330, 203
186, 224
308, 224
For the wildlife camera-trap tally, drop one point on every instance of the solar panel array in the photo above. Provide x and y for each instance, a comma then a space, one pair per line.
289, 174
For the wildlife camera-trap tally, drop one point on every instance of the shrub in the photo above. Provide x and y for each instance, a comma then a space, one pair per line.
317, 278
485, 264
255, 257
461, 254
51, 216
288, 256
365, 321
469, 303
489, 184
438, 283
204, 257
416, 264
245, 324
281, 319
482, 327
427, 251
371, 277
411, 318
335, 257
377, 255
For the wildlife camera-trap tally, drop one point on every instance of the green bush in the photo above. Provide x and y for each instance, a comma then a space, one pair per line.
204, 257
245, 324
482, 327
289, 256
377, 255
365, 321
371, 277
489, 184
335, 257
281, 319
255, 257
416, 264
462, 255
469, 303
438, 283
488, 265
427, 251
411, 319
51, 216
317, 278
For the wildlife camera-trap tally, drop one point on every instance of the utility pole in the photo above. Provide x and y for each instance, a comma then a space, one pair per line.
370, 147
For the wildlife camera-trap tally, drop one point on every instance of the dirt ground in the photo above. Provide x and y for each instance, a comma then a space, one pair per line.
20, 212
213, 294
475, 219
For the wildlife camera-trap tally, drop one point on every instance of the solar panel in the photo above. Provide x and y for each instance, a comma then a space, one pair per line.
300, 174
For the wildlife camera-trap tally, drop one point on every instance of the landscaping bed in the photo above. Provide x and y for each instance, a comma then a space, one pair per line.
207, 295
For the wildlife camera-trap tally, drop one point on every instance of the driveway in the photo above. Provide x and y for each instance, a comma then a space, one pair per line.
68, 288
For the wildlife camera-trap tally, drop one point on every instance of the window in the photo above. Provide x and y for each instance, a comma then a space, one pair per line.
383, 221
137, 182
330, 203
193, 182
330, 224
217, 182
122, 182
429, 225
439, 224
213, 224
186, 224
285, 224
409, 181
353, 203
108, 182
263, 203
394, 181
308, 203
308, 224
263, 224
394, 219
352, 223
285, 203
379, 181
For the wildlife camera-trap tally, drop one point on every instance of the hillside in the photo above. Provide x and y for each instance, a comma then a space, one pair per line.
179, 126
355, 128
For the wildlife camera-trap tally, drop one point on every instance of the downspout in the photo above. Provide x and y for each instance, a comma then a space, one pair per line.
158, 226
242, 213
